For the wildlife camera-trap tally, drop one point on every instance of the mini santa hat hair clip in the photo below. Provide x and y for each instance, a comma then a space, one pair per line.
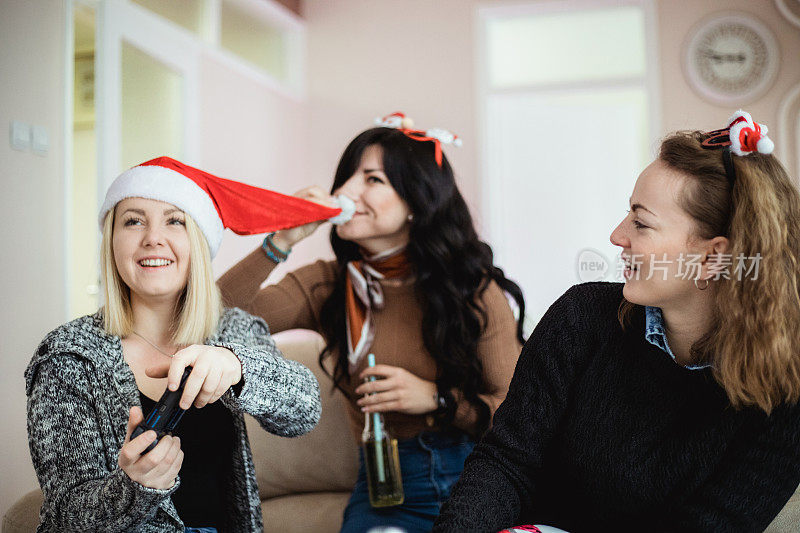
438, 136
743, 136
215, 203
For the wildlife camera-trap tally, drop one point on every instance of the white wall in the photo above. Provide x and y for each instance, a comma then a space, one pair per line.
32, 210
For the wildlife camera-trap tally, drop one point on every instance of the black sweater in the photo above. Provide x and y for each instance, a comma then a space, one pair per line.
602, 431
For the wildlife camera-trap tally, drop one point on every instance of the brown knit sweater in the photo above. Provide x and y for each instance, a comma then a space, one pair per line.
296, 300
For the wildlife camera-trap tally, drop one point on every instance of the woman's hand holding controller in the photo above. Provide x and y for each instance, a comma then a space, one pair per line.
158, 468
214, 371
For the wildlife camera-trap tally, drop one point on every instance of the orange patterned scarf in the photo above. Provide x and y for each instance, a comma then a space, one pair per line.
363, 293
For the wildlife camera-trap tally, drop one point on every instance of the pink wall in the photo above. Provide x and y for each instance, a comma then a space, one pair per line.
682, 107
368, 59
252, 134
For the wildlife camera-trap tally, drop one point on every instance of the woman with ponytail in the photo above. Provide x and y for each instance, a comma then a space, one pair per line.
669, 402
413, 284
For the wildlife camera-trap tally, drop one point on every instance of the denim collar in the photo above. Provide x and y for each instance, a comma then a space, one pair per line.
655, 334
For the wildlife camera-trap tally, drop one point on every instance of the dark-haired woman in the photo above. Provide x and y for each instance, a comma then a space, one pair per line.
669, 403
413, 284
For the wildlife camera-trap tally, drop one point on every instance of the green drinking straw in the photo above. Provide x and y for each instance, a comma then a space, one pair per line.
378, 430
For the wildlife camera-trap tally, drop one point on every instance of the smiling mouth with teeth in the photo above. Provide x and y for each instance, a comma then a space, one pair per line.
629, 265
155, 262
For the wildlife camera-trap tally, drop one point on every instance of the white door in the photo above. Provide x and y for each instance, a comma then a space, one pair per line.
144, 105
568, 94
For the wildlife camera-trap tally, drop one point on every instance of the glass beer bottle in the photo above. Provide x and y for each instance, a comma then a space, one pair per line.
381, 459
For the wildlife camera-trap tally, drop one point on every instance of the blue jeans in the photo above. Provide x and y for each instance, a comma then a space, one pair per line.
430, 464
200, 530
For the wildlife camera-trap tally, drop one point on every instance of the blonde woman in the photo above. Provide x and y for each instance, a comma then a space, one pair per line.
91, 379
669, 402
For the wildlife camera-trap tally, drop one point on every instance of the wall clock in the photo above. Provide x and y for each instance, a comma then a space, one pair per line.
730, 59
790, 9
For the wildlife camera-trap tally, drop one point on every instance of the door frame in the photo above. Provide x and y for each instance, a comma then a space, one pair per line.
118, 21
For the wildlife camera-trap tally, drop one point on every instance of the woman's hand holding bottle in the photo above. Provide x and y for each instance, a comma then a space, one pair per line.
399, 391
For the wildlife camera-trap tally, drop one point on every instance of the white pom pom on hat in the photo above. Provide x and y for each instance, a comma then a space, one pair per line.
348, 208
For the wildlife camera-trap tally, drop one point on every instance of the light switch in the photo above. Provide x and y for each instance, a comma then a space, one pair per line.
40, 141
20, 135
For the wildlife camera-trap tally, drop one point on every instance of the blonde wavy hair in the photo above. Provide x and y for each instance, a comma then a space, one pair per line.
753, 344
199, 306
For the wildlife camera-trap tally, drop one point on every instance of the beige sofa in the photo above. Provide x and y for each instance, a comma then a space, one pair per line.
305, 482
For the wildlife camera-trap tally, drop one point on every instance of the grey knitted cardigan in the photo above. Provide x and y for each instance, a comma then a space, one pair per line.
80, 391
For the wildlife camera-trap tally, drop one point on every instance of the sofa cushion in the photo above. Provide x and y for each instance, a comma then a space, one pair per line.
23, 516
320, 512
324, 460
788, 520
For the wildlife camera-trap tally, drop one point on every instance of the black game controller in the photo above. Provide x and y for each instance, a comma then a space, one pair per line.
165, 415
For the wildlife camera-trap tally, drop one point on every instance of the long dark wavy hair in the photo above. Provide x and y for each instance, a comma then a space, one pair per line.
452, 266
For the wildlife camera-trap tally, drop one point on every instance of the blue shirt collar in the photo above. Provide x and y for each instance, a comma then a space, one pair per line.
656, 335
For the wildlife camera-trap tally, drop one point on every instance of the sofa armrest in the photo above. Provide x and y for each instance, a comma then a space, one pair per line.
325, 459
23, 516
788, 520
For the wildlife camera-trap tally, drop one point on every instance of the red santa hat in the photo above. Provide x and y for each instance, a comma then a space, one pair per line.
214, 203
